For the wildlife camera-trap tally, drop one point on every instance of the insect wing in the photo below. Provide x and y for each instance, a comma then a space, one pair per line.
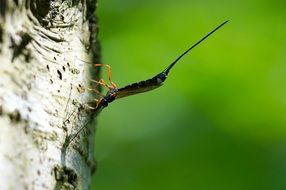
132, 89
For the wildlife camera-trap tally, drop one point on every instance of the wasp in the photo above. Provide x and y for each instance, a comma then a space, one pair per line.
114, 93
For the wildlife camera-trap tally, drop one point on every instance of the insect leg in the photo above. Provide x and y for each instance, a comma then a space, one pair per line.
94, 89
92, 107
108, 72
113, 85
102, 83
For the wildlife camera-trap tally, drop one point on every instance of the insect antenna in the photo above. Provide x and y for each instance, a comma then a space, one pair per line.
166, 71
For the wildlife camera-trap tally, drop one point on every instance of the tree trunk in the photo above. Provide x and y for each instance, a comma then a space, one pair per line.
43, 90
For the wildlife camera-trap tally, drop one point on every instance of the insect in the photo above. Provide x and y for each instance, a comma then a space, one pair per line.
114, 93
142, 86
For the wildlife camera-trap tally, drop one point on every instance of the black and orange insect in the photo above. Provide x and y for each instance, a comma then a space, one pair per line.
142, 86
135, 88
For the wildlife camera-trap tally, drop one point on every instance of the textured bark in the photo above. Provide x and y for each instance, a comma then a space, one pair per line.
43, 93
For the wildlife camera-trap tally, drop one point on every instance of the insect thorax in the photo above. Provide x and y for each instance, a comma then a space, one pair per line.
109, 97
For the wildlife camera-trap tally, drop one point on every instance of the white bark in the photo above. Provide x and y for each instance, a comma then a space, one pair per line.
42, 87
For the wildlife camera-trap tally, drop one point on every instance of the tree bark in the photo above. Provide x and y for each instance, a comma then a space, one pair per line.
43, 90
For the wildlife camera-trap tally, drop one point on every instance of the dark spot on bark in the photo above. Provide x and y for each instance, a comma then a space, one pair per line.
54, 13
74, 71
68, 64
48, 67
74, 102
75, 2
1, 35
55, 58
26, 129
16, 2
27, 56
78, 89
51, 81
65, 176
60, 74
2, 7
64, 69
29, 109
15, 116
29, 86
1, 110
44, 23
20, 48
39, 172
59, 91
40, 8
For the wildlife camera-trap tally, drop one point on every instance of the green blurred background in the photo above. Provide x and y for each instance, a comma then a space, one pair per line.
219, 122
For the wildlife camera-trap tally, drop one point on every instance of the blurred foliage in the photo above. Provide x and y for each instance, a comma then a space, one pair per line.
219, 122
